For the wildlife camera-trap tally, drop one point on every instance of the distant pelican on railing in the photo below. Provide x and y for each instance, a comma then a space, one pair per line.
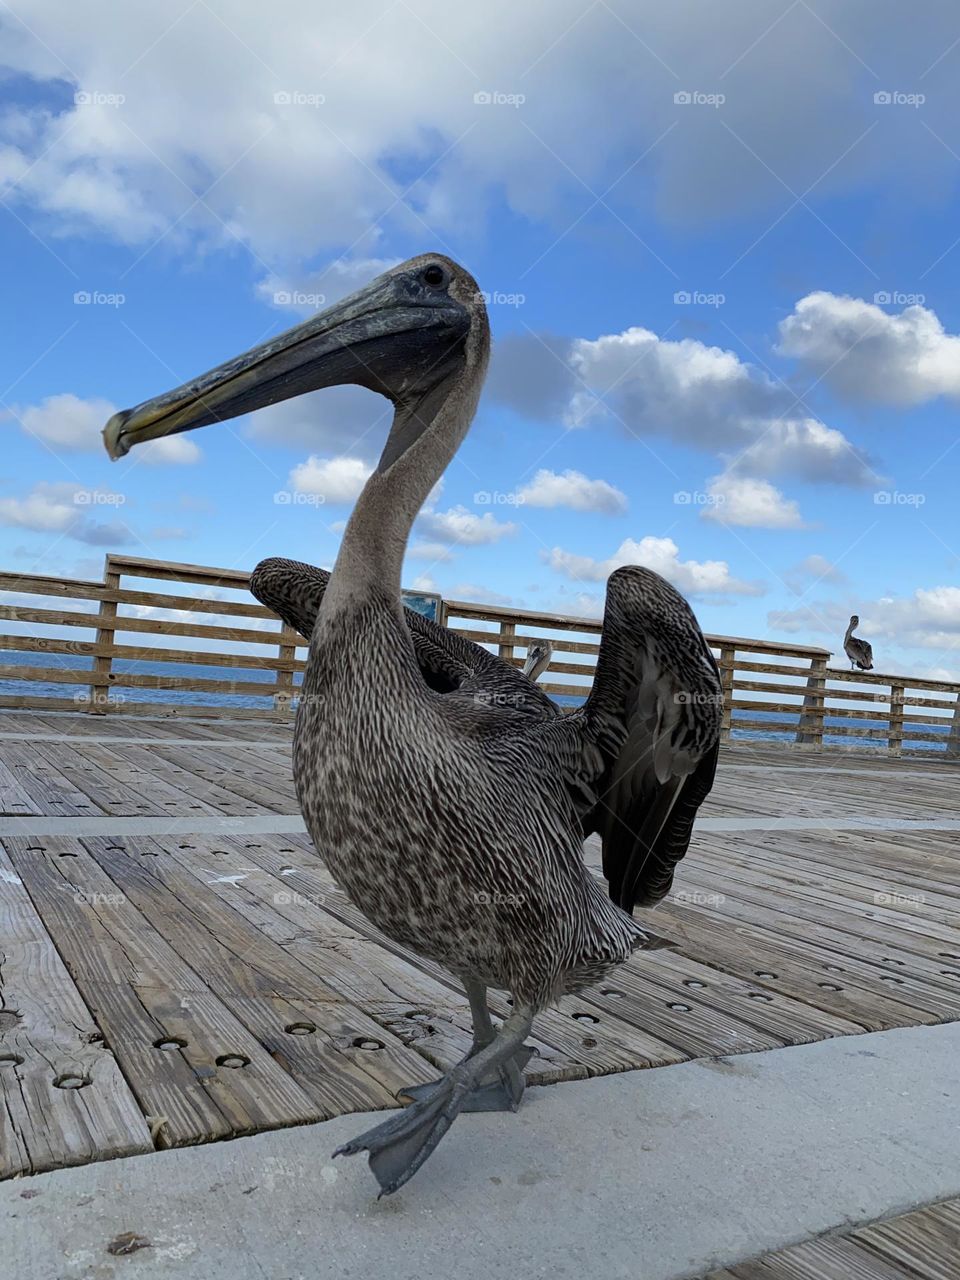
539, 657
858, 651
456, 822
447, 662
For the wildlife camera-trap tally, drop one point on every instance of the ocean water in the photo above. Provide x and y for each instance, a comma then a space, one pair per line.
251, 675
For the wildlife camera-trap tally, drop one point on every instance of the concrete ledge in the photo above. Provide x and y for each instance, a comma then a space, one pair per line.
650, 1175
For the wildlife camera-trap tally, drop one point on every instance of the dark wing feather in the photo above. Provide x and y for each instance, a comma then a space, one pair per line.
449, 663
652, 724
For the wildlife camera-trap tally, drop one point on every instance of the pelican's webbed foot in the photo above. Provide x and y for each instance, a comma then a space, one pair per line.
398, 1147
499, 1091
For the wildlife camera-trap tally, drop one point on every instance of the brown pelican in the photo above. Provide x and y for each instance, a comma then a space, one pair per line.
858, 651
539, 656
448, 663
456, 825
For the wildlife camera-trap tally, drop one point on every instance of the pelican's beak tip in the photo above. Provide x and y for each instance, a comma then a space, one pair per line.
113, 439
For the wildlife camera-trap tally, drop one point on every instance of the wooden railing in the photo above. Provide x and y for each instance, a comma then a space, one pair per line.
150, 624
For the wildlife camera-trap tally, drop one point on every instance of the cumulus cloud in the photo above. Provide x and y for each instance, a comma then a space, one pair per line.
310, 291
332, 479
692, 577
298, 146
460, 526
349, 420
67, 422
807, 450
866, 353
929, 618
572, 489
477, 594
811, 571
169, 449
65, 509
432, 551
751, 504
694, 394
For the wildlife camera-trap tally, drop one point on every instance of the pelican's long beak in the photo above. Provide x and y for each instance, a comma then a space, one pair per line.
374, 338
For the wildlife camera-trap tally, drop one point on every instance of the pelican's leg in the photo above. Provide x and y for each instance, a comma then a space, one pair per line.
499, 1091
400, 1145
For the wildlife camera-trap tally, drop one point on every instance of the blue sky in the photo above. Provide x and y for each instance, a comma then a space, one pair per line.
725, 327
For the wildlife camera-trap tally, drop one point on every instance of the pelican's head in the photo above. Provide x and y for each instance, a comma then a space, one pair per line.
854, 621
405, 334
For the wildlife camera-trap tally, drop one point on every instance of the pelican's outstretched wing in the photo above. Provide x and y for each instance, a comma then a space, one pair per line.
448, 662
651, 733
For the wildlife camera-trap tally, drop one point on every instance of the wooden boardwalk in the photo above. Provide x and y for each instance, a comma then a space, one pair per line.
176, 965
923, 1245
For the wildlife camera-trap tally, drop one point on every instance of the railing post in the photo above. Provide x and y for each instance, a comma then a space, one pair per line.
508, 631
283, 695
99, 703
895, 734
953, 742
726, 664
810, 731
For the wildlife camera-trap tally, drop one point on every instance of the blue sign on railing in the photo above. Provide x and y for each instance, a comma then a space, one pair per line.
424, 602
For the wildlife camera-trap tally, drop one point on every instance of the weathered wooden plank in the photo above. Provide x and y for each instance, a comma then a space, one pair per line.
65, 1100
346, 1062
921, 1245
826, 1259
148, 999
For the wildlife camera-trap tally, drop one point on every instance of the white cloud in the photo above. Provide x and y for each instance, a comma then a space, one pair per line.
866, 353
574, 490
476, 594
432, 551
65, 509
332, 479
808, 450
751, 504
304, 176
690, 393
349, 420
310, 291
812, 571
170, 449
69, 423
929, 618
458, 525
692, 577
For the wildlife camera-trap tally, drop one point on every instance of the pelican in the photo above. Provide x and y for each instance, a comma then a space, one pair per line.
456, 824
858, 651
539, 656
447, 662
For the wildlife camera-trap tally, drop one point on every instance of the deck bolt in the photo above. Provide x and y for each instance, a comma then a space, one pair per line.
232, 1060
70, 1080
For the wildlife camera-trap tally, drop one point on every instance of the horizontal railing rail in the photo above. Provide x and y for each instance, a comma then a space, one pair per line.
158, 637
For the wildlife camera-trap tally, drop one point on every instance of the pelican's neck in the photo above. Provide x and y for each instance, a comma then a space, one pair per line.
425, 435
849, 632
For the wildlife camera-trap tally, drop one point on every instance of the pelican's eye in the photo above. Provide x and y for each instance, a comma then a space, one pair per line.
434, 275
